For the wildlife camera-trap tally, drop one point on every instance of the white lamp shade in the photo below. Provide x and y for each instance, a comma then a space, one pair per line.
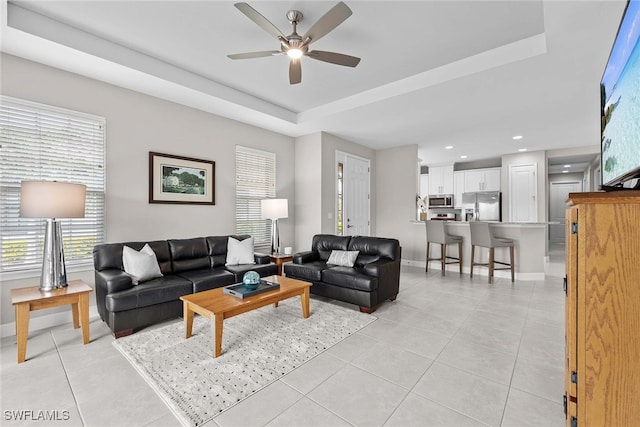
274, 208
51, 199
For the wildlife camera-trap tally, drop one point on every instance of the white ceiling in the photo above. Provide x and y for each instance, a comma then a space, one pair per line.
470, 74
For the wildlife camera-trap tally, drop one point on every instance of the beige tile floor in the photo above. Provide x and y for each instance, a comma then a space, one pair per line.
448, 352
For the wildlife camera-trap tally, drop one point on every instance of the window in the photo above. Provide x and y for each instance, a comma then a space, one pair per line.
39, 142
255, 180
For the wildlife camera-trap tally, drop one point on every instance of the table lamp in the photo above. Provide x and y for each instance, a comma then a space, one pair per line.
274, 209
52, 200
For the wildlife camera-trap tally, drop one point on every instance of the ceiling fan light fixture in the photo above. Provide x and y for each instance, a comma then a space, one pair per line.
295, 53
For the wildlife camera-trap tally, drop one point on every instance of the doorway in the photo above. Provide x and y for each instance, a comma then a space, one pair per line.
523, 193
353, 200
557, 195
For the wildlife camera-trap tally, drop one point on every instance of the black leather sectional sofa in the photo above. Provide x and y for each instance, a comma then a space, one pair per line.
374, 278
187, 265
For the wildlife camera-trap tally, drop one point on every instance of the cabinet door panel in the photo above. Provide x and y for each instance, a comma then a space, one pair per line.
473, 180
492, 180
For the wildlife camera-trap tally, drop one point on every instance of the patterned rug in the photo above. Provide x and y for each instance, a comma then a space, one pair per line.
258, 348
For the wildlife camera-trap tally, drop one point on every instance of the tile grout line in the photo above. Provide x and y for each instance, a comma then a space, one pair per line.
66, 375
515, 363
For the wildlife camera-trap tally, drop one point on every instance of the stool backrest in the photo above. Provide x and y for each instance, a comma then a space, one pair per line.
480, 234
435, 231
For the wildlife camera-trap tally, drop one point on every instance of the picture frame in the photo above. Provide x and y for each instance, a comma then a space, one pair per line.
178, 179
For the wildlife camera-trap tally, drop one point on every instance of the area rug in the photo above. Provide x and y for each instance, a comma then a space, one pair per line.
258, 348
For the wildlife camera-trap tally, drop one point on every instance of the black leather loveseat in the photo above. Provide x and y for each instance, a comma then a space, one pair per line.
187, 265
374, 278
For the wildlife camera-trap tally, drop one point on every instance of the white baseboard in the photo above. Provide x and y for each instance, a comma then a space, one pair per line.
46, 321
477, 271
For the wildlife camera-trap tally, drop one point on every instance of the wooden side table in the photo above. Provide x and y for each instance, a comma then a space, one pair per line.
280, 259
26, 300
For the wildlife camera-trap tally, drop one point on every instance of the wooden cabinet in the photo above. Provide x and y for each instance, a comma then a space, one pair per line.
441, 179
602, 367
482, 180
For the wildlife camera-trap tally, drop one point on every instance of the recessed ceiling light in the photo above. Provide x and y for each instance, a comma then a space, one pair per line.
448, 147
522, 149
463, 157
567, 166
565, 171
516, 137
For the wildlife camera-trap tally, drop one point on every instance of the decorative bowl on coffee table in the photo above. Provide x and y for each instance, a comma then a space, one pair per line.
251, 280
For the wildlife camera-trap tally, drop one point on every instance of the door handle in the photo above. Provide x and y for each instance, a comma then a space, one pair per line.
349, 226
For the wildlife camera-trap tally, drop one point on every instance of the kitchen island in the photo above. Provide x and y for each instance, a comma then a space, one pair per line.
530, 248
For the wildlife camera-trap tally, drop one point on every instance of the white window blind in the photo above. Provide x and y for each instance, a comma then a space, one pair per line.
39, 142
255, 180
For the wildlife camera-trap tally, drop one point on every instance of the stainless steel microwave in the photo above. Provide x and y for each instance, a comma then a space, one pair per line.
441, 201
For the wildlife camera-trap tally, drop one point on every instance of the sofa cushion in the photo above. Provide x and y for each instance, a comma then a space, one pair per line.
349, 278
311, 271
208, 278
189, 254
155, 291
374, 248
325, 243
109, 255
140, 265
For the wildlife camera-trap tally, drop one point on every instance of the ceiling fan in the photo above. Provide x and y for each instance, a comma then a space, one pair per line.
296, 46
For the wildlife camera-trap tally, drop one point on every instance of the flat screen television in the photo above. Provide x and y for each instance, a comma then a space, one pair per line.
620, 105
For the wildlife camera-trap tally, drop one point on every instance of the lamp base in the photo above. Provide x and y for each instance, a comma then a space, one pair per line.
275, 237
54, 273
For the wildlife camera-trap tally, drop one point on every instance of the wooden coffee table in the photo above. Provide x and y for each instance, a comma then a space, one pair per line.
217, 306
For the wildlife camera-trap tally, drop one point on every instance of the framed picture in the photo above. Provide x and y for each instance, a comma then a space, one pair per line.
176, 179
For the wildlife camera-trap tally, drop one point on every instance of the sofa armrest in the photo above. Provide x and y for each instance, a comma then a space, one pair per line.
261, 258
380, 268
113, 280
304, 257
388, 273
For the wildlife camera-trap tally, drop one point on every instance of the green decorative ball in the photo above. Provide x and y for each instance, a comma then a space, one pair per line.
251, 280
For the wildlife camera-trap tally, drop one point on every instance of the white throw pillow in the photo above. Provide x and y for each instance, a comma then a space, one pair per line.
141, 266
343, 258
240, 252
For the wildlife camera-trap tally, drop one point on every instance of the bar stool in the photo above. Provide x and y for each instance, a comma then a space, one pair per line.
482, 235
436, 233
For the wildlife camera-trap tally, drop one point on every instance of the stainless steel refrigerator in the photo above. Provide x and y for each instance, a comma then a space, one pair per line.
482, 206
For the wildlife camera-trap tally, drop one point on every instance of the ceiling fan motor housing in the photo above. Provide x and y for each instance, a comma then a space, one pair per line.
294, 16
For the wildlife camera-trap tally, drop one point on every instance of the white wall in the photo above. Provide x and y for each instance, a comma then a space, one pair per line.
396, 189
137, 124
308, 190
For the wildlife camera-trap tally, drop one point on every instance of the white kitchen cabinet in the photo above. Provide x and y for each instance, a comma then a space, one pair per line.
482, 180
458, 188
441, 179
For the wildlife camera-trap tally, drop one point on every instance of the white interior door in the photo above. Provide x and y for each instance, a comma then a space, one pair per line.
523, 193
356, 196
557, 207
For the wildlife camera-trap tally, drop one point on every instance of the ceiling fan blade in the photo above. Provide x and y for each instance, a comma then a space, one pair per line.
334, 58
256, 17
259, 54
295, 71
328, 22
